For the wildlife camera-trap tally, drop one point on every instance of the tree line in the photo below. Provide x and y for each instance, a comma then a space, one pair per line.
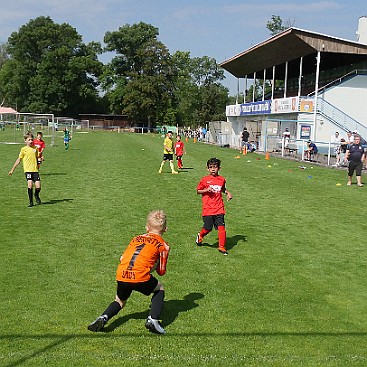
45, 67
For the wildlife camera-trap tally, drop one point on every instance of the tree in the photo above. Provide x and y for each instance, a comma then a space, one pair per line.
275, 25
139, 79
200, 96
50, 69
3, 54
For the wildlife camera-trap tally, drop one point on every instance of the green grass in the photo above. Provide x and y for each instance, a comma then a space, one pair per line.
292, 291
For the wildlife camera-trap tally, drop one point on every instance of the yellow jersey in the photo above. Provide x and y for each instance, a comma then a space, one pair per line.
29, 157
168, 143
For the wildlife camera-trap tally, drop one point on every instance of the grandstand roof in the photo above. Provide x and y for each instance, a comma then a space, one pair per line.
290, 45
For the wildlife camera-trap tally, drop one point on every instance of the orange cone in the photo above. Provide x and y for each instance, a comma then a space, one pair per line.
187, 139
244, 152
194, 139
267, 156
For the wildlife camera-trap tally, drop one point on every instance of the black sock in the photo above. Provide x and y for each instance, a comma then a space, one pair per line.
157, 305
37, 192
112, 310
30, 195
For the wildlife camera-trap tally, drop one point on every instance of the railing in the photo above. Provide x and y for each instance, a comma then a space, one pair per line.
339, 80
340, 118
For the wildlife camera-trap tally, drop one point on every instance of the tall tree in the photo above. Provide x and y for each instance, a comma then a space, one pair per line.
276, 25
139, 79
3, 54
50, 69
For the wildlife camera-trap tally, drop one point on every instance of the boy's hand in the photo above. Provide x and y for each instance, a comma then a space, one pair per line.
229, 196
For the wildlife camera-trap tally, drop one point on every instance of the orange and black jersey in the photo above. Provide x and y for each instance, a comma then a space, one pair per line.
140, 258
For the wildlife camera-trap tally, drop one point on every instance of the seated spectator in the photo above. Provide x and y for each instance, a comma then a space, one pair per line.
311, 150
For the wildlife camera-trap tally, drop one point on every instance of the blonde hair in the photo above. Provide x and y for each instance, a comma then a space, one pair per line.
157, 220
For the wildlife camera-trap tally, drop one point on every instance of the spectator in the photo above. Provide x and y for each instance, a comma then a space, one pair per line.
311, 150
355, 155
336, 142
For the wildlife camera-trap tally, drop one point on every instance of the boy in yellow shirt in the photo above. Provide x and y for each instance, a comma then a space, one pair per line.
29, 155
168, 153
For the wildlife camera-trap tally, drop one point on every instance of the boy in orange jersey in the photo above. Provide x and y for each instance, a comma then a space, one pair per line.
211, 188
29, 155
179, 151
144, 254
40, 145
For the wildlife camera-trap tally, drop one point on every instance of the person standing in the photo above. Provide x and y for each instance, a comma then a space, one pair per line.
244, 139
336, 142
67, 138
29, 155
40, 145
179, 151
168, 153
144, 254
211, 188
355, 155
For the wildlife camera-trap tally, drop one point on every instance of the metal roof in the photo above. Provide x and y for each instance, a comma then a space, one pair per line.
290, 45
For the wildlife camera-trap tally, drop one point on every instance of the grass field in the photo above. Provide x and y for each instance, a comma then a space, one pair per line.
292, 291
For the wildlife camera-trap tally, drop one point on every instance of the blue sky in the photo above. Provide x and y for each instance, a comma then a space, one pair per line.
218, 29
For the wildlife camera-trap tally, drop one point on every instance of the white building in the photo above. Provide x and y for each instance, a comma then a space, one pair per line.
311, 83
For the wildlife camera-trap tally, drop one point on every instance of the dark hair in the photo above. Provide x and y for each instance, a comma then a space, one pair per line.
213, 162
39, 133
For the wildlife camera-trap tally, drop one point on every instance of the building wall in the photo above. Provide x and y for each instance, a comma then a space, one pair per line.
350, 97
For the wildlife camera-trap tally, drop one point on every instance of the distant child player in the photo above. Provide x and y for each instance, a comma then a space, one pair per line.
144, 254
211, 188
29, 154
67, 138
179, 151
40, 145
168, 153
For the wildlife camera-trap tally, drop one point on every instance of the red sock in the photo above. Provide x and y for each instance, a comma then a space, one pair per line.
203, 232
222, 236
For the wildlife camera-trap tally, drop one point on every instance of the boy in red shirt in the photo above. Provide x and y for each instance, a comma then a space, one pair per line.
144, 254
211, 188
40, 145
179, 151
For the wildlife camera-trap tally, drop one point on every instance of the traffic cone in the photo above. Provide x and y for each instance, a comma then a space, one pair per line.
194, 139
267, 156
244, 152
187, 139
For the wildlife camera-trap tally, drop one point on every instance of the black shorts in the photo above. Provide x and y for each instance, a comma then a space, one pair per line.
213, 220
124, 289
34, 176
355, 166
168, 157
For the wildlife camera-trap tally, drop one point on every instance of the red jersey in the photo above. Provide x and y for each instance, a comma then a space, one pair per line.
40, 144
140, 258
213, 203
179, 148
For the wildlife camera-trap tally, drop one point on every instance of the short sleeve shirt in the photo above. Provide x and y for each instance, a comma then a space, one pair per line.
29, 157
212, 202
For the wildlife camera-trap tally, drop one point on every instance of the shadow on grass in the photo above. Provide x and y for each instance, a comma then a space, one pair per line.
171, 310
56, 201
230, 242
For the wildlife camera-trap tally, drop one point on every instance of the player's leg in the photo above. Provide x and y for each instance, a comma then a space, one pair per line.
207, 227
152, 323
222, 235
37, 184
123, 291
28, 176
172, 166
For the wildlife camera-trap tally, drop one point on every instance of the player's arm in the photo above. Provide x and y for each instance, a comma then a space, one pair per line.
14, 166
163, 257
228, 194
